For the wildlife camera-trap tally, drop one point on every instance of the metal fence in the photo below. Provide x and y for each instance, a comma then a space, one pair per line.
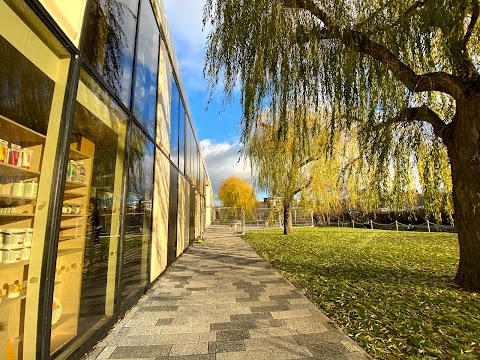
396, 226
240, 219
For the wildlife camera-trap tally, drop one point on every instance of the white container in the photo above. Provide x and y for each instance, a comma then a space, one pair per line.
27, 241
18, 189
13, 238
31, 189
10, 256
26, 253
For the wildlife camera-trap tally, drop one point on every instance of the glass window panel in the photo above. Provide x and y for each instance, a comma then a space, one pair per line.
90, 227
164, 93
181, 139
110, 41
188, 153
146, 68
174, 117
33, 78
138, 220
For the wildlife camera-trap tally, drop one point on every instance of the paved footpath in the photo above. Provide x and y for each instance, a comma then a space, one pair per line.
221, 301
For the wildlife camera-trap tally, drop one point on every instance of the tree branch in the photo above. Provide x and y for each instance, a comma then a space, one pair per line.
360, 42
309, 160
422, 113
409, 12
304, 186
473, 22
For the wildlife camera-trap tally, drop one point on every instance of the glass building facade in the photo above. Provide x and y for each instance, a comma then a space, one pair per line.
102, 182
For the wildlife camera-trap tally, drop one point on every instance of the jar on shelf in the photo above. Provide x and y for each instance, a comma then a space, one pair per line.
71, 171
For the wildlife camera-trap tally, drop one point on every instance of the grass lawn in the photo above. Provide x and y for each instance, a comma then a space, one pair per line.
391, 291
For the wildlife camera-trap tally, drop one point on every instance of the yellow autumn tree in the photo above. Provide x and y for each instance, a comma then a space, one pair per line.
238, 193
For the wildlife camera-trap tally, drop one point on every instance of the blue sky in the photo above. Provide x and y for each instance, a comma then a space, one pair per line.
217, 128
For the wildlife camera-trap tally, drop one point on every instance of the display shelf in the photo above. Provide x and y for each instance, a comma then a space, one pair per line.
67, 227
10, 215
68, 252
63, 319
4, 266
16, 199
7, 170
72, 195
77, 155
58, 341
19, 134
66, 238
71, 216
73, 185
5, 300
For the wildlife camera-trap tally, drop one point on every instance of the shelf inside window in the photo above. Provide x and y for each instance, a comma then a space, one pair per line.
71, 216
15, 199
73, 185
66, 238
68, 227
77, 155
63, 319
68, 252
4, 266
5, 300
10, 171
72, 195
11, 215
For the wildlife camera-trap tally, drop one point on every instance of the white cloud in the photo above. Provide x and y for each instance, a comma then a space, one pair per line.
185, 21
224, 160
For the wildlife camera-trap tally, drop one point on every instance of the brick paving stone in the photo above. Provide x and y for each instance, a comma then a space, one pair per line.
270, 342
166, 321
232, 335
128, 352
233, 325
189, 349
221, 301
226, 346
327, 349
188, 357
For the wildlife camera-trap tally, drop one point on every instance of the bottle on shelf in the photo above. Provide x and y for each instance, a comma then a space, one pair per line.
71, 171
82, 173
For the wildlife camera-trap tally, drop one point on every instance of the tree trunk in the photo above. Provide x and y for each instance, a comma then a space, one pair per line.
463, 143
287, 218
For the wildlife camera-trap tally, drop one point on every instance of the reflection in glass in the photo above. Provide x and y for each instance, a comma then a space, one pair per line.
138, 220
110, 41
146, 68
174, 117
89, 228
189, 151
181, 139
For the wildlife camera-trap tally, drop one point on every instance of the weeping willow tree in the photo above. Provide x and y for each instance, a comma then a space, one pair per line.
282, 165
404, 72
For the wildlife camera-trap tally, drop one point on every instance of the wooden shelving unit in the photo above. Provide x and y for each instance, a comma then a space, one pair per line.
22, 216
71, 248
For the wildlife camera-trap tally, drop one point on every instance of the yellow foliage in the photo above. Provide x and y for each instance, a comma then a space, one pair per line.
236, 192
